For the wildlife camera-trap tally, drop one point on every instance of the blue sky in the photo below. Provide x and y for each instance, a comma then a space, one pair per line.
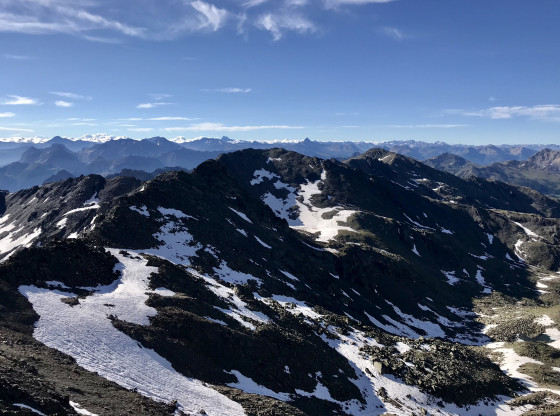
461, 71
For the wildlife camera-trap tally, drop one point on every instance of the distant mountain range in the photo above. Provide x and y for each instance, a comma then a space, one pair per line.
28, 162
541, 171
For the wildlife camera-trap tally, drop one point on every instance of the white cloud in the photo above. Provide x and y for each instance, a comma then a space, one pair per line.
58, 16
254, 3
151, 105
549, 112
221, 127
277, 24
71, 95
84, 124
171, 118
108, 21
392, 32
160, 96
15, 130
210, 15
19, 100
427, 126
229, 90
297, 3
333, 4
61, 103
17, 57
8, 114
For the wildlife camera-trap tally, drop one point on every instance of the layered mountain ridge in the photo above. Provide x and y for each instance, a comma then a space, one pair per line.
541, 171
268, 282
25, 164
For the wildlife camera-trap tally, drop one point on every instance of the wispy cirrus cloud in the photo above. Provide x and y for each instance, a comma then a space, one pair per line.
547, 112
167, 118
221, 127
254, 3
17, 57
210, 16
331, 4
229, 90
71, 95
80, 119
152, 105
160, 96
102, 21
392, 32
16, 130
278, 24
61, 103
19, 100
427, 126
7, 115
59, 16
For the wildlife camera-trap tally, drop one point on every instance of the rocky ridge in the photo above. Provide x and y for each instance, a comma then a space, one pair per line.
270, 257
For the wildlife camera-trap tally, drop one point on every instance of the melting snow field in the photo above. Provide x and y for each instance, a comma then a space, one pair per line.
311, 218
85, 332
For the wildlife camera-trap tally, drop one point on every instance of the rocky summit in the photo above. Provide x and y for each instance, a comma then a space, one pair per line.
266, 282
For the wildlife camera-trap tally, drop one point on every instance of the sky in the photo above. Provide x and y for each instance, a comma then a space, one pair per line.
460, 71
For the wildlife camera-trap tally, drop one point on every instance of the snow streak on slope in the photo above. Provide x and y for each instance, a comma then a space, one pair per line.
86, 333
9, 243
311, 218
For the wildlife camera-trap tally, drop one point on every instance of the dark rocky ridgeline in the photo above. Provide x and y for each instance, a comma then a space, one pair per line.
3, 201
58, 210
438, 184
378, 261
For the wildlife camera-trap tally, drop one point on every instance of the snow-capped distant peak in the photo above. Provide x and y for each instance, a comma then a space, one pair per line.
98, 138
94, 138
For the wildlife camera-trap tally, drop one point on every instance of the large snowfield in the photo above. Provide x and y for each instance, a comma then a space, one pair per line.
86, 333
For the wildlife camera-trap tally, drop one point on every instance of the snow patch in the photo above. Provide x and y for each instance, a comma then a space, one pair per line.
62, 223
80, 410
451, 278
242, 215
85, 332
262, 243
289, 275
249, 386
31, 409
260, 175
174, 213
9, 243
232, 276
93, 200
